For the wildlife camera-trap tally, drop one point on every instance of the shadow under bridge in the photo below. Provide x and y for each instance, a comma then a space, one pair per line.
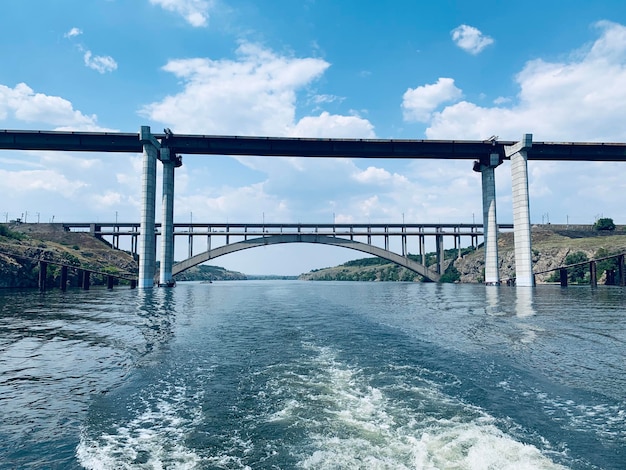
306, 238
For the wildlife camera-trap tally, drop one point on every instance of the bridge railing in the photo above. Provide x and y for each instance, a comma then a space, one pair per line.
261, 229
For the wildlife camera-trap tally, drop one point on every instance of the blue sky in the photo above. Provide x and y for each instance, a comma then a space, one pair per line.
402, 69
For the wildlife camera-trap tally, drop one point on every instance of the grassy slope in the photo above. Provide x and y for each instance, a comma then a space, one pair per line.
550, 248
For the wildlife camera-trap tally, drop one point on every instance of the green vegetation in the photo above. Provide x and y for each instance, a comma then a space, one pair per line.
607, 264
6, 232
451, 275
577, 274
70, 259
580, 274
363, 262
205, 272
604, 224
380, 269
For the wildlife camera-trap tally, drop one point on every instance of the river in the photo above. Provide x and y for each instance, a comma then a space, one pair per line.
314, 375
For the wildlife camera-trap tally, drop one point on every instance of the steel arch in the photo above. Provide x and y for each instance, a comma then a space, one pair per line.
306, 238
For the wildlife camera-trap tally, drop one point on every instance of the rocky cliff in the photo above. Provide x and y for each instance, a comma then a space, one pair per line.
22, 245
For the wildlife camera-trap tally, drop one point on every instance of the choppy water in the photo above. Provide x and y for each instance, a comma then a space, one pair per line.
314, 375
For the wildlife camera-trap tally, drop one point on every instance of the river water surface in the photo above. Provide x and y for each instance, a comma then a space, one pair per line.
314, 375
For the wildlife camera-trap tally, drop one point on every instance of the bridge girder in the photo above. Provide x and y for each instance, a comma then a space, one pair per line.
306, 238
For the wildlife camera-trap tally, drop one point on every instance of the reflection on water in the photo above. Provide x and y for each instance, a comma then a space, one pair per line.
524, 301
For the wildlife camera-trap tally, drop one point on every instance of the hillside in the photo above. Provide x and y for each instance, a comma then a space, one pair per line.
551, 246
52, 243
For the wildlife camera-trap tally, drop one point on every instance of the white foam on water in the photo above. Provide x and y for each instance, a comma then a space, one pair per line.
152, 439
352, 424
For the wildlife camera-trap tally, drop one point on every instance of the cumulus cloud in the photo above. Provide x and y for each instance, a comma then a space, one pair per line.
195, 12
73, 33
100, 63
582, 98
328, 126
470, 39
380, 177
419, 103
46, 180
23, 104
255, 94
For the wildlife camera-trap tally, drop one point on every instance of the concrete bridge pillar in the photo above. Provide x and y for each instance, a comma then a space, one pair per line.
490, 223
167, 232
521, 211
147, 241
439, 269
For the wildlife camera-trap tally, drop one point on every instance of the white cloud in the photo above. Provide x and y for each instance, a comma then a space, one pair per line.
380, 177
195, 12
328, 125
36, 180
418, 103
580, 99
470, 39
255, 94
73, 33
23, 104
100, 63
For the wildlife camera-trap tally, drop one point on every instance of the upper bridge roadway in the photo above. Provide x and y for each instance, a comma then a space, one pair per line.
307, 147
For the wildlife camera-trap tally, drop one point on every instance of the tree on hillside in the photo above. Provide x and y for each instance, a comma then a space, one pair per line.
605, 223
577, 273
607, 264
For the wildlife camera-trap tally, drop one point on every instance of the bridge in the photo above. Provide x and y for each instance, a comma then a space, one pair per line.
373, 239
167, 147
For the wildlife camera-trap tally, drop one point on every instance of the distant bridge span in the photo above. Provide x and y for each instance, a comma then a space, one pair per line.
306, 238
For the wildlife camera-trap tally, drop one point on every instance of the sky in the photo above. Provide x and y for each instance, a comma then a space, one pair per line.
405, 69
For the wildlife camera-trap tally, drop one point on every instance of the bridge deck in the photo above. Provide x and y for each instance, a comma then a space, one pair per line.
255, 229
306, 147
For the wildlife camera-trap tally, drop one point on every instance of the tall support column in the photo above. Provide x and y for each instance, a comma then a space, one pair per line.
167, 234
147, 242
490, 226
521, 211
439, 269
490, 223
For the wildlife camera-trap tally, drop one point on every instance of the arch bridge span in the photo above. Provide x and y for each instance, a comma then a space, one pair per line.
307, 238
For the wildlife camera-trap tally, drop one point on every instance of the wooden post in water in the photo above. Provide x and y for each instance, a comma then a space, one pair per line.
563, 274
43, 272
620, 262
63, 282
593, 274
110, 280
86, 281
